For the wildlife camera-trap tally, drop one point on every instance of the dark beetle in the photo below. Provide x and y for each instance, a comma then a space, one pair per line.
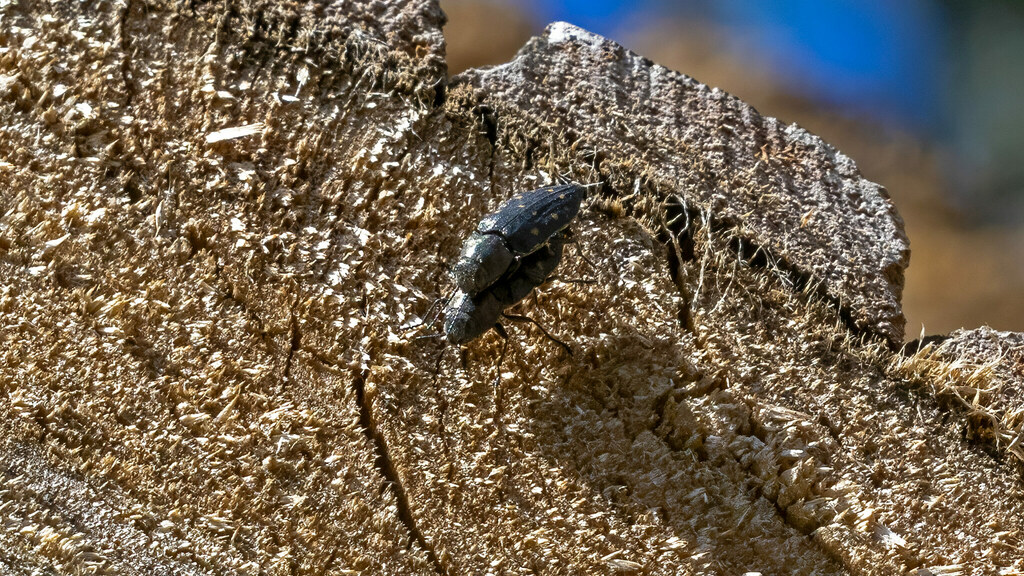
518, 228
467, 317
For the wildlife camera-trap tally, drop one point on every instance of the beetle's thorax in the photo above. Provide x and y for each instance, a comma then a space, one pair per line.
483, 260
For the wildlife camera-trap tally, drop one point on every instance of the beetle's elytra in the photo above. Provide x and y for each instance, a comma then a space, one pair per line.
528, 220
517, 228
512, 251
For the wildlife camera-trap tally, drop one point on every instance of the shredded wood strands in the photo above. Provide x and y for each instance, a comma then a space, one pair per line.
234, 132
977, 387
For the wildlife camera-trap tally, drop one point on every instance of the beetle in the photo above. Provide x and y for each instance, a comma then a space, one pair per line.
519, 227
512, 251
468, 316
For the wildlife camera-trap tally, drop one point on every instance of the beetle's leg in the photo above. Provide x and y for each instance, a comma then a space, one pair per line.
504, 348
498, 400
570, 238
519, 318
440, 358
583, 255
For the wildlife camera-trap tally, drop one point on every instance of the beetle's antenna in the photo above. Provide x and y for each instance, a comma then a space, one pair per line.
433, 312
519, 318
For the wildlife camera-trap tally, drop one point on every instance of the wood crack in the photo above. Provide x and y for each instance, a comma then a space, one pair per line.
387, 469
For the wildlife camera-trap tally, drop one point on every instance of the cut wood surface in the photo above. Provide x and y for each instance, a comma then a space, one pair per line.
219, 221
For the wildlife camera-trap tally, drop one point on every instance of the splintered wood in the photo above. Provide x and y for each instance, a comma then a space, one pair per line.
222, 225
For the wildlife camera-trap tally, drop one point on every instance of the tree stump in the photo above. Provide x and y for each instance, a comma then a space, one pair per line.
219, 220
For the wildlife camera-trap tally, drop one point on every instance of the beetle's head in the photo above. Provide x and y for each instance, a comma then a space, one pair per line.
467, 317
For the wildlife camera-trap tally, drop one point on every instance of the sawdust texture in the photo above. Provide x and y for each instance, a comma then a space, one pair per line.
223, 223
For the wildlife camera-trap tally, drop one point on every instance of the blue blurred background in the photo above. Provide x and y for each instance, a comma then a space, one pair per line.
947, 71
868, 55
926, 95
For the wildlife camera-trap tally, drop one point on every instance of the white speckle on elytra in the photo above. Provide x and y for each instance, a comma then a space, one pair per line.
535, 232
